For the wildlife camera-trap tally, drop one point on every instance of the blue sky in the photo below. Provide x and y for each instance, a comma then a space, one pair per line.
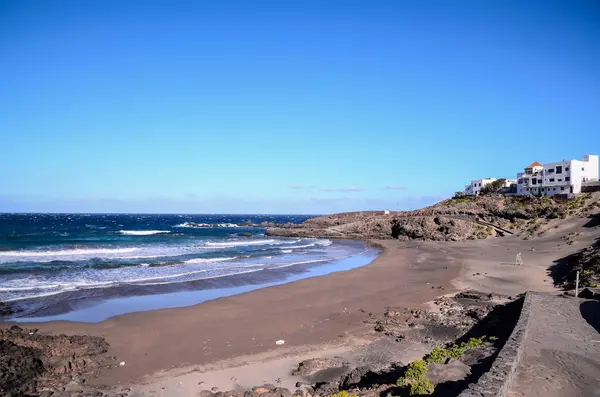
286, 106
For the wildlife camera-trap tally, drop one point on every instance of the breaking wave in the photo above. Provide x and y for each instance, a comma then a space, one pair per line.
143, 232
242, 243
67, 252
205, 225
208, 260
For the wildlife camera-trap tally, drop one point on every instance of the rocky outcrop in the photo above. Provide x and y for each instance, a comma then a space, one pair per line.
455, 219
32, 363
20, 367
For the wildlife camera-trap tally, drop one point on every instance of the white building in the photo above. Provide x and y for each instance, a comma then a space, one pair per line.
476, 185
561, 177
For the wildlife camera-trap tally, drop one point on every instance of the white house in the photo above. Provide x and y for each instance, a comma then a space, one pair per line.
561, 177
476, 185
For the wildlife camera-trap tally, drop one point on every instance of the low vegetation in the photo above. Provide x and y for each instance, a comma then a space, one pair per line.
414, 379
587, 263
439, 355
343, 393
415, 376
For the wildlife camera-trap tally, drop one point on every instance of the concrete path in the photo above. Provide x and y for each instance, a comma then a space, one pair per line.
561, 356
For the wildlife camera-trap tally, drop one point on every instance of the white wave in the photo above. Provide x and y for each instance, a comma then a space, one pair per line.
141, 256
206, 225
303, 262
143, 232
69, 252
241, 243
192, 224
301, 246
144, 264
208, 278
286, 251
324, 243
208, 260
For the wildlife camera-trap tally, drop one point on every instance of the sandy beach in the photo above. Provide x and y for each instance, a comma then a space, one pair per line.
231, 342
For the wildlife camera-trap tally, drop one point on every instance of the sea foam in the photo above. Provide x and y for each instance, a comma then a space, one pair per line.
76, 251
242, 243
195, 225
208, 260
143, 232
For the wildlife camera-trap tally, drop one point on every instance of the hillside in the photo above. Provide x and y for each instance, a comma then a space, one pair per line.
464, 218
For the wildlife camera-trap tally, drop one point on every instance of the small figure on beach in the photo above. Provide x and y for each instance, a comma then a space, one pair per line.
519, 260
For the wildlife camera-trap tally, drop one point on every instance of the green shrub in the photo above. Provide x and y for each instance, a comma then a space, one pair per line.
414, 378
416, 370
421, 387
437, 356
343, 393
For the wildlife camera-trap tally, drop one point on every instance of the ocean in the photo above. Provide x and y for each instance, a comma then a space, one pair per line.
52, 264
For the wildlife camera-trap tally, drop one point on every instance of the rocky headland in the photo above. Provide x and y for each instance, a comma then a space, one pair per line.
455, 219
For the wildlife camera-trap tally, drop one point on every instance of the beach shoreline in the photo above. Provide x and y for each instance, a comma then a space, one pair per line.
309, 312
197, 346
96, 305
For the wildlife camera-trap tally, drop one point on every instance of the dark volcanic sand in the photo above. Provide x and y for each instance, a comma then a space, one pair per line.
306, 312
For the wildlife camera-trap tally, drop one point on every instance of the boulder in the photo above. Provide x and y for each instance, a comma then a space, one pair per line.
453, 371
475, 295
354, 377
313, 365
590, 293
474, 356
20, 366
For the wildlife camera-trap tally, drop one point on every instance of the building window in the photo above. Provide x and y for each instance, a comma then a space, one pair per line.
582, 168
534, 181
539, 181
567, 178
562, 188
551, 170
520, 181
560, 180
526, 189
559, 169
566, 168
554, 188
551, 179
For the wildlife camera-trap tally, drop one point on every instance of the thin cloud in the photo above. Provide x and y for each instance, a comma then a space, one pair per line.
342, 189
395, 187
298, 187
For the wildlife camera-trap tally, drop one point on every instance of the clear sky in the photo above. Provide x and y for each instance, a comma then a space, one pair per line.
286, 106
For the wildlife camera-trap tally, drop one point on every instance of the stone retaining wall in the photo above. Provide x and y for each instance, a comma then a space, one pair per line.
496, 382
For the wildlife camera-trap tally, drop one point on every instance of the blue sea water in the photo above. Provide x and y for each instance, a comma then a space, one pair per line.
56, 263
